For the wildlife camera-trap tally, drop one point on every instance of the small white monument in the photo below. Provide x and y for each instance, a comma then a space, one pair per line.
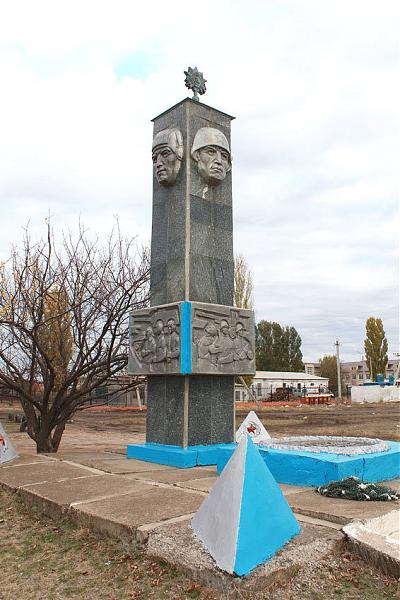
245, 519
253, 427
7, 450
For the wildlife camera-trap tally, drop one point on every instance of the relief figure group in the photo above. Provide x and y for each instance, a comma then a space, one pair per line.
160, 348
221, 346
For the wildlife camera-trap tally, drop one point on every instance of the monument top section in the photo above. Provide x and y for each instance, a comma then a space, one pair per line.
191, 101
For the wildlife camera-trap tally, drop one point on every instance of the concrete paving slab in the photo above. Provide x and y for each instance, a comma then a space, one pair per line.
320, 522
85, 489
146, 505
25, 460
43, 471
203, 485
211, 468
123, 465
394, 484
292, 489
377, 541
173, 476
177, 545
77, 456
337, 510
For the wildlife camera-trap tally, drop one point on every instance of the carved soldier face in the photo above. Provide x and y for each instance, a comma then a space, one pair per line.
224, 327
239, 329
210, 330
212, 154
213, 163
158, 327
149, 333
167, 155
171, 325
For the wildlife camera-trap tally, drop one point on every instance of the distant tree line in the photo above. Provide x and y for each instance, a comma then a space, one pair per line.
376, 348
278, 348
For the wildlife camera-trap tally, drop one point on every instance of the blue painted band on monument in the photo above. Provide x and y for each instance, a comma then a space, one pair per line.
310, 469
176, 456
186, 338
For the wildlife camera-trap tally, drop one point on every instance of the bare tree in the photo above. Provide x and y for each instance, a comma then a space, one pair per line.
243, 290
92, 287
243, 298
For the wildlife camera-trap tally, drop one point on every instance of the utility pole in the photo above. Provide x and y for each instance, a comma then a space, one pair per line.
338, 371
398, 367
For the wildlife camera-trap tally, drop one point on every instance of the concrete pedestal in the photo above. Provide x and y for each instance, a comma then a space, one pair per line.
207, 418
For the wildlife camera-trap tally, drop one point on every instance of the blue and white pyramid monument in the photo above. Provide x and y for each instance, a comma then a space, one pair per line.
253, 427
7, 450
245, 519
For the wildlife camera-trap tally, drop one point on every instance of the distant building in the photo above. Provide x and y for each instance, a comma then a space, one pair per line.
265, 383
312, 368
355, 372
110, 393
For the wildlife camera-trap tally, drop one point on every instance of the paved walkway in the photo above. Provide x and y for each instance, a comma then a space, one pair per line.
92, 482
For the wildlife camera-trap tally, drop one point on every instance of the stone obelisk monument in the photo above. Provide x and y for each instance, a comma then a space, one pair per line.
191, 342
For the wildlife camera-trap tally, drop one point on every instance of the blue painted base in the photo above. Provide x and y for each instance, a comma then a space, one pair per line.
311, 469
175, 456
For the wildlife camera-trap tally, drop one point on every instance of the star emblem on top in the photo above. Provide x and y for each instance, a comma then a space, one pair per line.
195, 81
251, 428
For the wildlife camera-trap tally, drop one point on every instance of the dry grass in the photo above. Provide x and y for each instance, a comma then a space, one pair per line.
44, 560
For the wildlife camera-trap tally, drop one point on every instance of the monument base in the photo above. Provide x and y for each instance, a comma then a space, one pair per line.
176, 456
311, 469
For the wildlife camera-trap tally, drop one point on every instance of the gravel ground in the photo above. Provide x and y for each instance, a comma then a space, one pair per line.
313, 566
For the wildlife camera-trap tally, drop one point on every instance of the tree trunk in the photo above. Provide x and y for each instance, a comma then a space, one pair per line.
43, 432
48, 441
44, 443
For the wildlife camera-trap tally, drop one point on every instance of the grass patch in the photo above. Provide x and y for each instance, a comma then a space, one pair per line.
47, 560
41, 559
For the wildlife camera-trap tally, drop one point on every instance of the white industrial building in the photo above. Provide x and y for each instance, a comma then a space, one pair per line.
266, 383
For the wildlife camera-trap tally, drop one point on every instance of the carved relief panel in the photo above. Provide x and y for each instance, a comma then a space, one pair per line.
155, 341
223, 339
192, 338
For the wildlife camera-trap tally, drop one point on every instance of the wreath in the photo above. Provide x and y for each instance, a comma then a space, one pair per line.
352, 488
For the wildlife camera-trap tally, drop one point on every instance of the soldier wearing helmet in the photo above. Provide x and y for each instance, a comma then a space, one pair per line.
207, 348
212, 154
243, 349
167, 154
227, 344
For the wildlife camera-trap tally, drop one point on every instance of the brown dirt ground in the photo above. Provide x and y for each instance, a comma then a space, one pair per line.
371, 420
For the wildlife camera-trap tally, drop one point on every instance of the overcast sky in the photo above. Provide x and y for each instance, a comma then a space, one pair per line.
313, 86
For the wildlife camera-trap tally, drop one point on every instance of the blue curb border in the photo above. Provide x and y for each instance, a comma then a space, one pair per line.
176, 456
311, 469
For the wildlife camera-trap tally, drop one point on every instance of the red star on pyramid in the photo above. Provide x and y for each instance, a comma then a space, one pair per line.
251, 428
